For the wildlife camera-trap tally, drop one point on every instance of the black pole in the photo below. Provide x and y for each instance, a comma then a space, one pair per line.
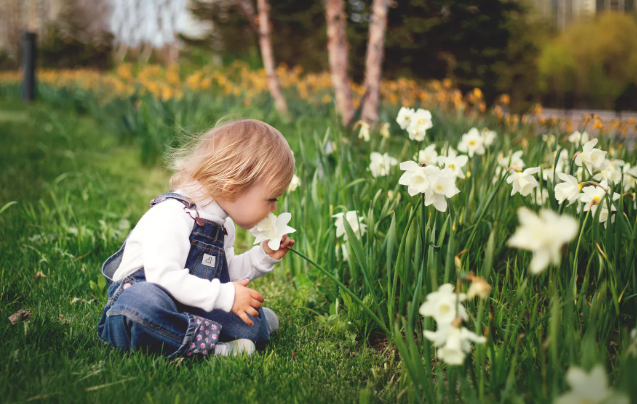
28, 65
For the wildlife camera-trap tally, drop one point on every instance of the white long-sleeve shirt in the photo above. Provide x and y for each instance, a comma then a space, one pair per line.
160, 243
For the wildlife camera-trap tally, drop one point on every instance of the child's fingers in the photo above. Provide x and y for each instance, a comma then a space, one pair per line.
245, 318
244, 282
255, 303
251, 311
256, 295
287, 242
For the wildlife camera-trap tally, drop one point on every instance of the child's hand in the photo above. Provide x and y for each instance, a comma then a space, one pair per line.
286, 244
246, 300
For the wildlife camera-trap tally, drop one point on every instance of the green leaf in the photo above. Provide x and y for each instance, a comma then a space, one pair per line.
101, 282
7, 205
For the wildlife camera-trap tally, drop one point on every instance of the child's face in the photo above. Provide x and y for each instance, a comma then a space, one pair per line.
251, 207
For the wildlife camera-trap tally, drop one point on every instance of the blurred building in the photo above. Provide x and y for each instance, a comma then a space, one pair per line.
562, 13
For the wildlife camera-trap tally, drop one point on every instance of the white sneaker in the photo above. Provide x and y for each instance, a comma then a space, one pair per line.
272, 319
238, 346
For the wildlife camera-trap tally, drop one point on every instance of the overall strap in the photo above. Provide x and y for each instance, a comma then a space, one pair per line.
171, 195
187, 205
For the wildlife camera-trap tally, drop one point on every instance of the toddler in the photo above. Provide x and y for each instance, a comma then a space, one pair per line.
175, 286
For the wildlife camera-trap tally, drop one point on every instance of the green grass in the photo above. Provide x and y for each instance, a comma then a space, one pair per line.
579, 313
75, 189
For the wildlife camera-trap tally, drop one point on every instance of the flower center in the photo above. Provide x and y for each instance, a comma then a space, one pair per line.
580, 186
472, 142
452, 166
421, 121
596, 198
444, 309
439, 187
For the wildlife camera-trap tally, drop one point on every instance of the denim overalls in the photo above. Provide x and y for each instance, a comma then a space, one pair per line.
145, 315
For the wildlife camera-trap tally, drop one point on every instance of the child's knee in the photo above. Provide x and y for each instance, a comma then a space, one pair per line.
144, 298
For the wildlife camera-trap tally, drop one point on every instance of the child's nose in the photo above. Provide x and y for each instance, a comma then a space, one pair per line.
273, 207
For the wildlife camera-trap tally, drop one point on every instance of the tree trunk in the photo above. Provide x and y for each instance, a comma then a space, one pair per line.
247, 9
337, 48
268, 57
263, 30
374, 60
171, 52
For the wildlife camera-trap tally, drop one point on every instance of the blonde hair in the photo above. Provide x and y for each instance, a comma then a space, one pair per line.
230, 158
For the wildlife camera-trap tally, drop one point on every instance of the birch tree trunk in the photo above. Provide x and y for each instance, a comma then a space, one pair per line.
337, 48
268, 58
262, 28
374, 60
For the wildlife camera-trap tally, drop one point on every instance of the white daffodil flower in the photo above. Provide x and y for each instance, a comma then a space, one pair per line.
405, 117
330, 146
541, 196
547, 173
353, 221
380, 164
472, 143
450, 152
428, 156
272, 228
479, 287
611, 171
523, 182
569, 189
590, 388
342, 249
579, 174
577, 137
420, 122
442, 185
384, 130
453, 343
511, 160
455, 163
294, 184
549, 139
364, 132
488, 136
416, 135
415, 177
544, 235
594, 197
630, 176
591, 157
444, 305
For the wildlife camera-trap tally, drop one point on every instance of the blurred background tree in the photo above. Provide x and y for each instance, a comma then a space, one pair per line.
592, 63
461, 40
564, 53
78, 37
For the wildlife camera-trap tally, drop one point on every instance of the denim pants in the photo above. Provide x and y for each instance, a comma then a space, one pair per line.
144, 315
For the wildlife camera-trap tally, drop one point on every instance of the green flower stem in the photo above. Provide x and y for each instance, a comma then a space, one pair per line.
484, 211
354, 297
579, 240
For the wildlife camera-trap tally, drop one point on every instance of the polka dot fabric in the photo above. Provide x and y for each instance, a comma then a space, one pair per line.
204, 338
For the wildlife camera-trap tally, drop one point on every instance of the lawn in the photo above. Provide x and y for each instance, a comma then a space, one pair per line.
397, 227
77, 194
